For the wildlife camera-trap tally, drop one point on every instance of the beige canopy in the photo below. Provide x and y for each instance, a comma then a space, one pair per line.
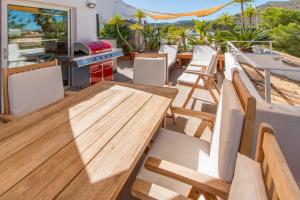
198, 13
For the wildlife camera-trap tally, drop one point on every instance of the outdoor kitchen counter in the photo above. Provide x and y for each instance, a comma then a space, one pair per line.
83, 147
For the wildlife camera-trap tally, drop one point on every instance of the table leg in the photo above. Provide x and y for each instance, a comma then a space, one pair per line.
268, 86
180, 62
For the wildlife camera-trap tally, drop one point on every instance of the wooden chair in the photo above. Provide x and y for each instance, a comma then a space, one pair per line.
151, 69
30, 84
149, 59
208, 119
270, 176
171, 52
233, 133
201, 77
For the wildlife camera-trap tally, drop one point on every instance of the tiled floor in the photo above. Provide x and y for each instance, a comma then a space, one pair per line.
201, 101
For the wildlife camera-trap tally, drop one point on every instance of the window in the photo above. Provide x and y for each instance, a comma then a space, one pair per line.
36, 35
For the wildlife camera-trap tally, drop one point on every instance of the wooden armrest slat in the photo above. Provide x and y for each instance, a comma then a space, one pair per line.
145, 190
201, 115
202, 74
203, 182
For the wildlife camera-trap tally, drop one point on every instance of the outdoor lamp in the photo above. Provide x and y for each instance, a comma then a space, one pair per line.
91, 4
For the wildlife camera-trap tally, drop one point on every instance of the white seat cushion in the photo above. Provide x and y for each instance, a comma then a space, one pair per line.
150, 71
187, 78
32, 90
248, 181
177, 148
196, 68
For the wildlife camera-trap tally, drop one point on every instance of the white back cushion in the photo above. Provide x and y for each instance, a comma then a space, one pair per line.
171, 50
211, 65
227, 133
248, 181
32, 90
150, 71
202, 52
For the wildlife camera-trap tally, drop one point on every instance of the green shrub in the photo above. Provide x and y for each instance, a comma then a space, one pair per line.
273, 17
287, 38
110, 31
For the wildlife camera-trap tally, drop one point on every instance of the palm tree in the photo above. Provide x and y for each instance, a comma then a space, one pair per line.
201, 29
183, 34
226, 20
139, 15
242, 2
118, 21
247, 35
250, 13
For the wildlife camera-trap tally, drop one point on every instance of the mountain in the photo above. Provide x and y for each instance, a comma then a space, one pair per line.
292, 4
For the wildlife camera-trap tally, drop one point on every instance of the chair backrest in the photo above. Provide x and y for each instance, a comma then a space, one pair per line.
279, 181
202, 52
170, 50
234, 124
29, 88
212, 64
150, 69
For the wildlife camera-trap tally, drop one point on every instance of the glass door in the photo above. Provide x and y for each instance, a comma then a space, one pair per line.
34, 33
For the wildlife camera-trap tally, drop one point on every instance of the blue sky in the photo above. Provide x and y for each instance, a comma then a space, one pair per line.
176, 6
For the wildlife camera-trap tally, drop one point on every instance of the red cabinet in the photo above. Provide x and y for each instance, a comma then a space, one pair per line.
101, 71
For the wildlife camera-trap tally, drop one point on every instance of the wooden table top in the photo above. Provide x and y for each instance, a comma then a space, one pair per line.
185, 55
83, 147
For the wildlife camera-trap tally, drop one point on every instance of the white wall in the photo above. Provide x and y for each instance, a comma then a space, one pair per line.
84, 18
108, 8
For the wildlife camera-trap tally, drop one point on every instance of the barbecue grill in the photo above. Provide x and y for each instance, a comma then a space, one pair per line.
92, 63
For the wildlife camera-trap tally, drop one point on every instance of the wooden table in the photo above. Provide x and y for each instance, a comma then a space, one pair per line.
184, 56
83, 147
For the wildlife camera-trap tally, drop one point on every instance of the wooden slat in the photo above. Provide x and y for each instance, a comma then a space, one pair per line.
197, 114
284, 182
26, 68
148, 191
188, 176
21, 123
58, 171
106, 174
157, 90
16, 167
16, 142
249, 104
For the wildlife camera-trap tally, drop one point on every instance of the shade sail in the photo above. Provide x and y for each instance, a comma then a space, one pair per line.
197, 13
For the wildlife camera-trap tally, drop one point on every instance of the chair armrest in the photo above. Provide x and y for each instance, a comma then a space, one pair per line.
7, 118
203, 74
145, 190
204, 182
201, 115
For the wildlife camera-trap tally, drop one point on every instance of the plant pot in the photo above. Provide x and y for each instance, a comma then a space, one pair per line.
125, 58
133, 54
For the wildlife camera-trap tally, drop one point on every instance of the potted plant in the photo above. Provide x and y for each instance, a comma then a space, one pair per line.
118, 22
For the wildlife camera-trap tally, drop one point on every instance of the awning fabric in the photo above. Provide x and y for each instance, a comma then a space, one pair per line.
197, 13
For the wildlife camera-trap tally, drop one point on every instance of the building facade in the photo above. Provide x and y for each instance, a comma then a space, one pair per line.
106, 9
